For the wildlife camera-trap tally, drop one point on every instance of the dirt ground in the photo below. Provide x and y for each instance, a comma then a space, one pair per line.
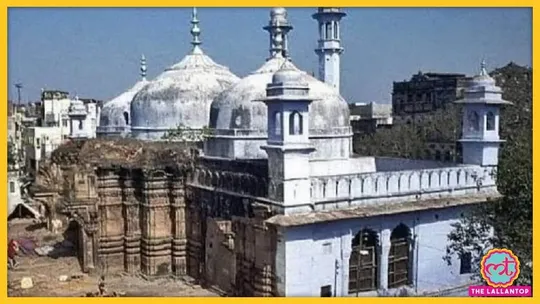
46, 273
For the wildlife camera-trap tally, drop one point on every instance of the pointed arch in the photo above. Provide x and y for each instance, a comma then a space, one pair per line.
363, 262
399, 257
296, 123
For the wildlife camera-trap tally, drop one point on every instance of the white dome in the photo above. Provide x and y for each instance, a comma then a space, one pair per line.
115, 116
180, 96
236, 107
240, 121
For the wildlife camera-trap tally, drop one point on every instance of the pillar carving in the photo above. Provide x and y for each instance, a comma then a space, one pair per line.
179, 240
156, 238
132, 238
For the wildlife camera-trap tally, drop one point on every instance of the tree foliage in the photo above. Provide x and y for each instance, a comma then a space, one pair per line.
504, 223
184, 133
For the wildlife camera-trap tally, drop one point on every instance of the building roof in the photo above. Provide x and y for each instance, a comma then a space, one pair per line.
120, 152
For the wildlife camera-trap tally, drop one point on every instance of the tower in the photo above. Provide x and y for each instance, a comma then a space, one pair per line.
278, 27
77, 116
288, 146
329, 45
481, 120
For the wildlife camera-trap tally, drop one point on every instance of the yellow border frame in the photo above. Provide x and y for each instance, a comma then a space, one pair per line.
245, 3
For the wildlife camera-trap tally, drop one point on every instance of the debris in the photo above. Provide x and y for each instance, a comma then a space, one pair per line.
45, 250
26, 283
77, 276
26, 246
63, 278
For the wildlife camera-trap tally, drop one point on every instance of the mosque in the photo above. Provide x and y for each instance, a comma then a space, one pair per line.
277, 204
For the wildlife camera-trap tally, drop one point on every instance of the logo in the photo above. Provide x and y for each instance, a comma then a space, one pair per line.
500, 269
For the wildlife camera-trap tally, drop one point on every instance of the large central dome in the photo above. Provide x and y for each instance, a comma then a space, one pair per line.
240, 122
238, 108
181, 95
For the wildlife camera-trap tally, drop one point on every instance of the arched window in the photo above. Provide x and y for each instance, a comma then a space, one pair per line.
490, 121
336, 31
277, 123
328, 30
363, 263
126, 118
398, 259
474, 121
80, 124
295, 123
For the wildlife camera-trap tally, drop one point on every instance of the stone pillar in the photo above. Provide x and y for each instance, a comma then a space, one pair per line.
179, 241
156, 230
346, 249
384, 251
413, 269
132, 238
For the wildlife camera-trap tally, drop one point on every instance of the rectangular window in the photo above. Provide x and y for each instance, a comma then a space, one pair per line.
65, 122
465, 263
11, 187
326, 291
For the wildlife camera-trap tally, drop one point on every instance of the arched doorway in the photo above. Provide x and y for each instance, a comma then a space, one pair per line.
363, 263
399, 256
74, 241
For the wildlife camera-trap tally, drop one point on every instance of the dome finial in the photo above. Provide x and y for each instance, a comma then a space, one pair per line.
143, 67
195, 32
483, 71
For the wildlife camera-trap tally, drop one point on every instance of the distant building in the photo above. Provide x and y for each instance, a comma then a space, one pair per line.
60, 120
425, 93
39, 142
83, 116
366, 118
55, 107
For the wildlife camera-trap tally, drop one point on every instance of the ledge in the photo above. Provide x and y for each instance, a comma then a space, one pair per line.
377, 210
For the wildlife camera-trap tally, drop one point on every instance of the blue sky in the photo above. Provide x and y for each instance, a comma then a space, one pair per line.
95, 52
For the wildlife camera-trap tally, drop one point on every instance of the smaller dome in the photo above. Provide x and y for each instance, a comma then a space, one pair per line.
483, 79
287, 74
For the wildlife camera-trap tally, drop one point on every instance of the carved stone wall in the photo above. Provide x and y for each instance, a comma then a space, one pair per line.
159, 220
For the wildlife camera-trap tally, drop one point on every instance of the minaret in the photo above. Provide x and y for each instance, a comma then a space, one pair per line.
195, 32
288, 146
329, 45
143, 68
480, 139
278, 27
